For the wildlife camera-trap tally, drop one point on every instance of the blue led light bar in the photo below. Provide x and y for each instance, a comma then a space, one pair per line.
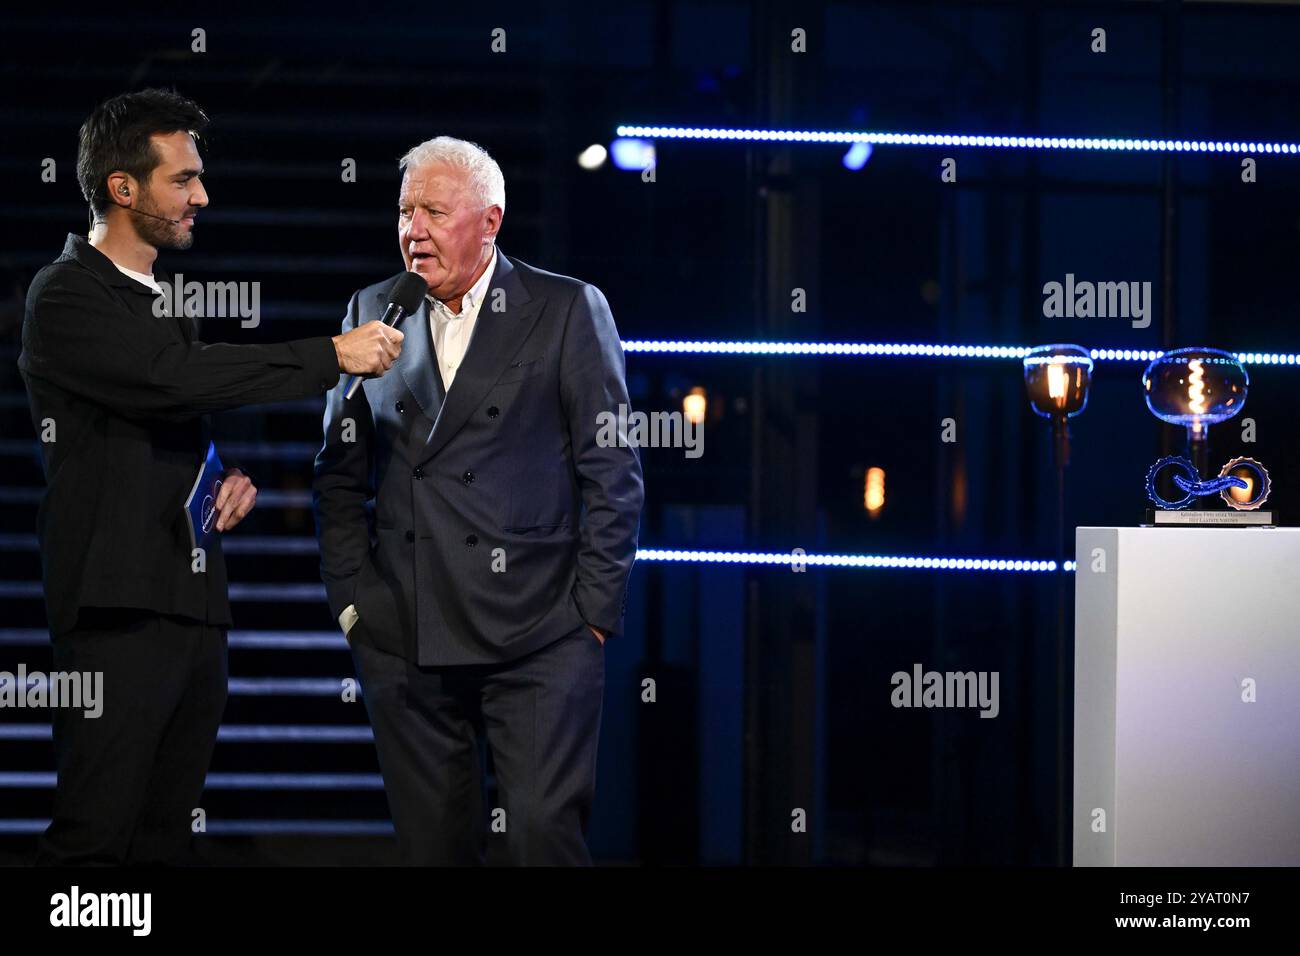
261, 780
249, 733
13, 825
983, 141
848, 560
825, 348
908, 350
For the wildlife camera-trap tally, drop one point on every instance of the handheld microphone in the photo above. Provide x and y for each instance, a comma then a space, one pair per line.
403, 300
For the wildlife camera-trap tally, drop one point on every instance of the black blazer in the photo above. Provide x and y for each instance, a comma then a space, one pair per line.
126, 391
482, 527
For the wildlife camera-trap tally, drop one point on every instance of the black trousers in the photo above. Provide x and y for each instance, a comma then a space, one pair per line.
130, 780
540, 715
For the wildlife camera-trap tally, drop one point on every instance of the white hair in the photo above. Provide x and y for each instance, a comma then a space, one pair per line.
484, 174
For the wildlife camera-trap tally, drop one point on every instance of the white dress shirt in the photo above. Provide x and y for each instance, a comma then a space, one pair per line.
452, 331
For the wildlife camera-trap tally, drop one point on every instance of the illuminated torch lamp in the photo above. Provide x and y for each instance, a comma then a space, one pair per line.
1056, 380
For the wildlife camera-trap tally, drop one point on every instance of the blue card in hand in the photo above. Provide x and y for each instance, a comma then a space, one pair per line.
201, 505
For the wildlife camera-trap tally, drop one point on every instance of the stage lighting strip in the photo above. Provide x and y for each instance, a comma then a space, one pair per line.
315, 592
906, 350
241, 733
262, 780
1087, 143
848, 560
11, 826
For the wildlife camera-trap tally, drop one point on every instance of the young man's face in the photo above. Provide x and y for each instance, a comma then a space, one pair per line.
173, 191
442, 225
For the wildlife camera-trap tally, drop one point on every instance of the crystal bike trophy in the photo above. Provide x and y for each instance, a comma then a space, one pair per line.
1197, 388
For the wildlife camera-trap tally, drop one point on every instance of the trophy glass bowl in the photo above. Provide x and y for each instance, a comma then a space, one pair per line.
1197, 388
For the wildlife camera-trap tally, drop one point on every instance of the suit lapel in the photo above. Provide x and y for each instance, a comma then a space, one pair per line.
497, 336
183, 323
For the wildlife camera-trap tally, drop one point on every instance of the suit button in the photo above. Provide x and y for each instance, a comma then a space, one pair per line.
493, 412
472, 540
401, 408
419, 473
468, 477
410, 536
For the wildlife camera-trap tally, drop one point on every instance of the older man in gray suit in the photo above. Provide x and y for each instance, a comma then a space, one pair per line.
476, 537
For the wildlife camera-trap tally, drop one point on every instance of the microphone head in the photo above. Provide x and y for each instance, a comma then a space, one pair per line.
409, 289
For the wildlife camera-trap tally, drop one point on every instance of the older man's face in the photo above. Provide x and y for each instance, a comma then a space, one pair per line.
442, 225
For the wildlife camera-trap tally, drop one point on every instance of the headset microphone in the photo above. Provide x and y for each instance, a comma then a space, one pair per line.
140, 212
124, 191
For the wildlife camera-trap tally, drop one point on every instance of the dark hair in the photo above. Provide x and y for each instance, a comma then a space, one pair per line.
115, 137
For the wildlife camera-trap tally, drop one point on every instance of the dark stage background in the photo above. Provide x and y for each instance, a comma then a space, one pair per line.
773, 687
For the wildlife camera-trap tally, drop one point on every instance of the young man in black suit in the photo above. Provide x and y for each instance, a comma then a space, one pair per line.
118, 389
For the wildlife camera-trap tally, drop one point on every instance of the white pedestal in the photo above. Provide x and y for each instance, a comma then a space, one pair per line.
1169, 626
